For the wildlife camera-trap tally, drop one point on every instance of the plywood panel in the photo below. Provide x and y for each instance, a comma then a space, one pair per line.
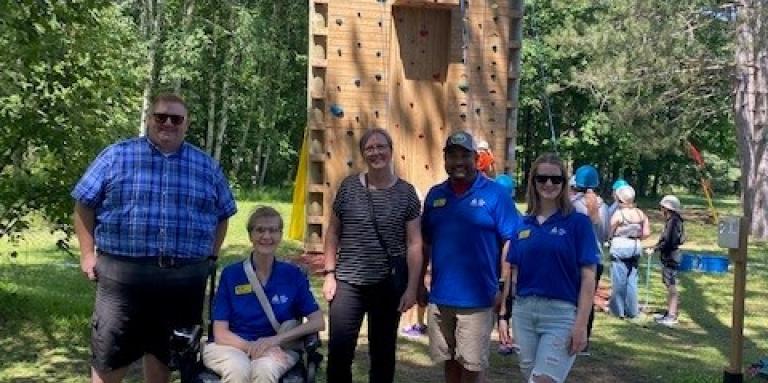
419, 69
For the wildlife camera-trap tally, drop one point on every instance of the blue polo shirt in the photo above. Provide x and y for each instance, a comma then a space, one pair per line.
549, 256
235, 302
466, 234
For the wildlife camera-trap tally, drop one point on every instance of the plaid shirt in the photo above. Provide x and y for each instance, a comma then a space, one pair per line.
149, 204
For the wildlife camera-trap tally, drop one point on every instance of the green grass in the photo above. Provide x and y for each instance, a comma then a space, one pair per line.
45, 307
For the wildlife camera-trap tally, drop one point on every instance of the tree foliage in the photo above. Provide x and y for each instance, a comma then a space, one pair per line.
74, 75
68, 83
629, 83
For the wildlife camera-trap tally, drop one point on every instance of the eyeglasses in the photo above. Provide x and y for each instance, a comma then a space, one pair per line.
161, 118
376, 149
542, 179
261, 230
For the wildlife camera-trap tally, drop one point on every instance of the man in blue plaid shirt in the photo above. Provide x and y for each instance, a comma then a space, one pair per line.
150, 214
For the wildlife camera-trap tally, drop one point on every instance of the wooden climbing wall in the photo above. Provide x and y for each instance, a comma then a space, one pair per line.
419, 69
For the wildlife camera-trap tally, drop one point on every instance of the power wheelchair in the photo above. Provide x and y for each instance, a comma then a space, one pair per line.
187, 343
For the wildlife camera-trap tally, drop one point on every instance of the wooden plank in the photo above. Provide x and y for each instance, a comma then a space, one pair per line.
358, 99
360, 56
344, 5
358, 64
367, 29
428, 3
350, 44
354, 84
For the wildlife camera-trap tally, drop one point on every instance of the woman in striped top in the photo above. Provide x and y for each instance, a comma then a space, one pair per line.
358, 279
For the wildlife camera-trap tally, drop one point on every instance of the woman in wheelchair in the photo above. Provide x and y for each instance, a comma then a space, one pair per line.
245, 345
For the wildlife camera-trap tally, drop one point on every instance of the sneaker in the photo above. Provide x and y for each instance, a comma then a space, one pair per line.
421, 328
509, 349
585, 351
668, 321
414, 331
660, 315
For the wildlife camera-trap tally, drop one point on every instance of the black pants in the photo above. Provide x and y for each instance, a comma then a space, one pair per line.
348, 307
598, 274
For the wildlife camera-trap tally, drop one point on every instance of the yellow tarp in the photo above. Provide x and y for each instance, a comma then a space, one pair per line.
298, 221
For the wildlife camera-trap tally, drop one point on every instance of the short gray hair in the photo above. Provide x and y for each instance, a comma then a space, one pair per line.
369, 133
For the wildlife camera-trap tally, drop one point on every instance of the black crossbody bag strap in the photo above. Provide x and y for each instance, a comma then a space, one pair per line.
375, 224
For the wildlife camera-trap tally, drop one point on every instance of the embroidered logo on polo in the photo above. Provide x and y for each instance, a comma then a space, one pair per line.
279, 299
440, 202
558, 231
477, 202
523, 234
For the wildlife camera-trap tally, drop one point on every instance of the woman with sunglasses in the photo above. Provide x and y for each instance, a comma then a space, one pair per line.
553, 262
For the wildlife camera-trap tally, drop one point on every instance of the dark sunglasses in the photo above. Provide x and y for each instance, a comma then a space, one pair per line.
542, 179
161, 118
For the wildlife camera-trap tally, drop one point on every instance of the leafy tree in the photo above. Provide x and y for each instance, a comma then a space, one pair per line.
750, 104
68, 86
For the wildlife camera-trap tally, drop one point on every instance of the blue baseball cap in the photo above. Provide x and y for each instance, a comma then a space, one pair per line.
461, 138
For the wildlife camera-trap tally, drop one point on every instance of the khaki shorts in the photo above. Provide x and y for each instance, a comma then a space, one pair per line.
460, 334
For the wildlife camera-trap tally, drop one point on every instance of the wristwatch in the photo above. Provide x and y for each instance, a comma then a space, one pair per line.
329, 271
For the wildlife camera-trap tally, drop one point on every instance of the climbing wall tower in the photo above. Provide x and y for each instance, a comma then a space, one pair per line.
421, 69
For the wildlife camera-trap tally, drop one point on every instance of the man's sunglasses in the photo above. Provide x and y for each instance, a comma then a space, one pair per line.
161, 118
542, 179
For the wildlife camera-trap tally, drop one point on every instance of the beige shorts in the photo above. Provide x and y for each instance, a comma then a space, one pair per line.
460, 334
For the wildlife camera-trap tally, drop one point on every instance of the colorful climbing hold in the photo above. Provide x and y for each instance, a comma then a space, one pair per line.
336, 110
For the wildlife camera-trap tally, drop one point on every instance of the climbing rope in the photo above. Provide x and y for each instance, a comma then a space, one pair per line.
545, 80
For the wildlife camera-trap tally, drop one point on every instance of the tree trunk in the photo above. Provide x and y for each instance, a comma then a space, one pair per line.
750, 112
187, 11
240, 151
231, 62
264, 167
257, 164
224, 116
152, 16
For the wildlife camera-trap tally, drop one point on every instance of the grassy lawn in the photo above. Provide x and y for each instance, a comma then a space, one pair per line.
46, 304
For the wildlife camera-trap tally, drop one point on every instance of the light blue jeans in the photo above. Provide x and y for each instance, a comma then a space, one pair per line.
623, 302
542, 329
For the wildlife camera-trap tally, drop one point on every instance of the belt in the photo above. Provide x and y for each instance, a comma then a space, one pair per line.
161, 261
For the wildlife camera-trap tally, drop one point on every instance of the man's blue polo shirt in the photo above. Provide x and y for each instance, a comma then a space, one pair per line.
549, 256
235, 302
148, 203
466, 234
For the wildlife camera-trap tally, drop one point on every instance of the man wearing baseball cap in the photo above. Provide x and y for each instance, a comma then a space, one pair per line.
464, 217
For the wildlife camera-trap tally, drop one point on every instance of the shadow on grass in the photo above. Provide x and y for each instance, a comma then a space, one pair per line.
44, 322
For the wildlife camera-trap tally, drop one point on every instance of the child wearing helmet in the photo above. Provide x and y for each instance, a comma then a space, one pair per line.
507, 345
668, 248
584, 199
618, 184
485, 161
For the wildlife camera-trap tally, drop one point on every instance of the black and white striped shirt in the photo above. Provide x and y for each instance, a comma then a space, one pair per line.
361, 258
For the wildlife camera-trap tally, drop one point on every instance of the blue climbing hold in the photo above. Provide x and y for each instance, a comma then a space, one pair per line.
337, 111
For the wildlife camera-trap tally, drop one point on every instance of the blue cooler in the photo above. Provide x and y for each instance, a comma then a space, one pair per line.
689, 262
714, 264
